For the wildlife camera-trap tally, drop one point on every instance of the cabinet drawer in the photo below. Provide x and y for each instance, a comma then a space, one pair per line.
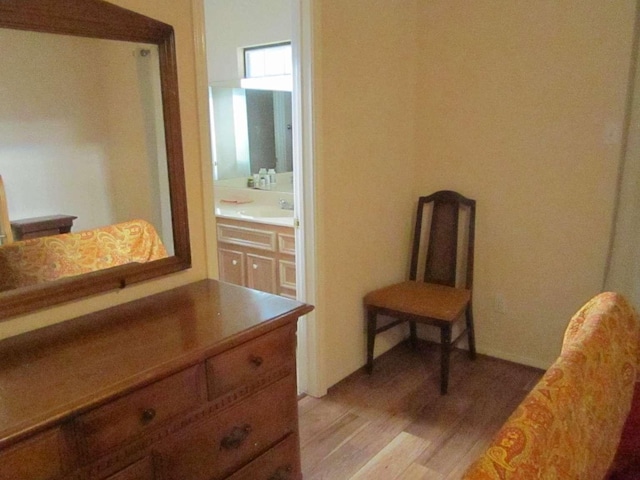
282, 462
245, 363
287, 243
38, 458
220, 446
141, 470
129, 416
247, 237
287, 274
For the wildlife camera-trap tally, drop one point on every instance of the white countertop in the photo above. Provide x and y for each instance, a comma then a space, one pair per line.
253, 206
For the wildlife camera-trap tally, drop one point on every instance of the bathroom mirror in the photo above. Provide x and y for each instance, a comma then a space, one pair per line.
251, 130
121, 159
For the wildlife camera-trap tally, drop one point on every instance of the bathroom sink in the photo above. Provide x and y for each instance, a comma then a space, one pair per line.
261, 211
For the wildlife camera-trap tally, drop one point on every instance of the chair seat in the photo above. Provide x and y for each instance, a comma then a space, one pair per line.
421, 299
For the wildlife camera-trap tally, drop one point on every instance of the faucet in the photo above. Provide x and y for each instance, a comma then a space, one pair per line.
285, 204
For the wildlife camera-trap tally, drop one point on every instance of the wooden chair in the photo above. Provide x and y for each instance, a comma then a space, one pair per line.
443, 295
6, 235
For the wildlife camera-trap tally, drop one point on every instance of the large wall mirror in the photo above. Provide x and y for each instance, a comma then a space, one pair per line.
89, 128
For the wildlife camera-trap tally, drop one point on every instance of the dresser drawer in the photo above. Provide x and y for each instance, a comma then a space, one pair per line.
280, 463
246, 363
141, 470
38, 458
220, 446
131, 415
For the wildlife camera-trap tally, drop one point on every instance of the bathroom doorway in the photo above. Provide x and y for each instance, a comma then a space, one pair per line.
231, 28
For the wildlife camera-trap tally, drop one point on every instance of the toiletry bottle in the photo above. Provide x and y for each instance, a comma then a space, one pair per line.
272, 175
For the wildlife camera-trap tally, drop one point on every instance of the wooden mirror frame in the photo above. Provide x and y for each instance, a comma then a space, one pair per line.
100, 19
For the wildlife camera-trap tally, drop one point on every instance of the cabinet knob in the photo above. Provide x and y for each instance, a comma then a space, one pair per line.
148, 415
255, 266
283, 473
256, 360
236, 437
234, 262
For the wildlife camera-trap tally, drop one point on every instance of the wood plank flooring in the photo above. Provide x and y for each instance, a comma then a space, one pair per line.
395, 425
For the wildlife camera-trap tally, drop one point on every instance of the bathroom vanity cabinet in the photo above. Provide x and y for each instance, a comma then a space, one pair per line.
197, 383
257, 255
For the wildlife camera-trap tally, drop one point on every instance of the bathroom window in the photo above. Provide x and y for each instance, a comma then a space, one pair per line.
267, 60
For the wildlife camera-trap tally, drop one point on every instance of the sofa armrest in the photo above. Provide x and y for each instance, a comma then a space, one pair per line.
569, 425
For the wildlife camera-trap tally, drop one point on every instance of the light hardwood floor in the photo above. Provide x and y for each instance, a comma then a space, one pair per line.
395, 425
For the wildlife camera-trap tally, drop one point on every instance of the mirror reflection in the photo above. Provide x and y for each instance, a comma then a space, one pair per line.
251, 131
82, 149
87, 141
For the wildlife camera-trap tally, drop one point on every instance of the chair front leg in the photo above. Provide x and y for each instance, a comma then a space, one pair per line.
445, 357
413, 334
470, 331
371, 337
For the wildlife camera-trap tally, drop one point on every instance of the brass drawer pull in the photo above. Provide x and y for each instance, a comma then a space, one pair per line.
256, 360
283, 473
236, 437
148, 415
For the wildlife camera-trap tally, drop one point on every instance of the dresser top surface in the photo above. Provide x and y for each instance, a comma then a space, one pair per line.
52, 373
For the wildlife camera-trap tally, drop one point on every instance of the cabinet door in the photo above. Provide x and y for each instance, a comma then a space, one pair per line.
261, 273
232, 266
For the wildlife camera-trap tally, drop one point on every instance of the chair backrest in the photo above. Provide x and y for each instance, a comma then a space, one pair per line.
6, 235
439, 239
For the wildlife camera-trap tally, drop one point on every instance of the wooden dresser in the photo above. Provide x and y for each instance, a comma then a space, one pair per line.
197, 383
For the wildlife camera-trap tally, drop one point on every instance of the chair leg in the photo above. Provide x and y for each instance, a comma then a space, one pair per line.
371, 337
413, 335
445, 357
471, 332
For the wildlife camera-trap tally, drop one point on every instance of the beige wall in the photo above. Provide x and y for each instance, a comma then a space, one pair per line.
365, 91
179, 14
623, 273
523, 110
516, 104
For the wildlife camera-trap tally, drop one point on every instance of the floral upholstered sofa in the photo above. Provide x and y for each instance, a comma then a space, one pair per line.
570, 425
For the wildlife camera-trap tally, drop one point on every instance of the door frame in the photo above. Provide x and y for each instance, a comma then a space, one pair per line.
310, 371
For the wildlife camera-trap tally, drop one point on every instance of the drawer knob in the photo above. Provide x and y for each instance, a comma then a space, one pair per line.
234, 262
236, 437
283, 473
148, 415
256, 360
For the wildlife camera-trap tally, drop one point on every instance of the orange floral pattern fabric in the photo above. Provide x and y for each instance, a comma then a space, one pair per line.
29, 262
570, 424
